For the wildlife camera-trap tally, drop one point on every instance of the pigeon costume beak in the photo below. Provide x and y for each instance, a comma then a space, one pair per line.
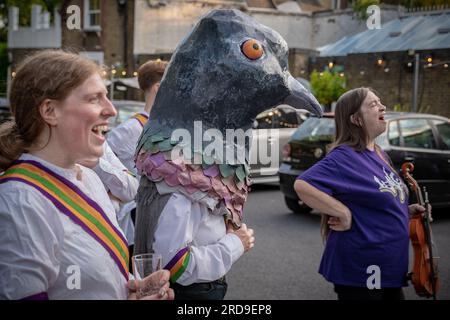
300, 98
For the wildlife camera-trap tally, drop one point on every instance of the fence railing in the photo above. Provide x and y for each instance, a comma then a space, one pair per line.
442, 7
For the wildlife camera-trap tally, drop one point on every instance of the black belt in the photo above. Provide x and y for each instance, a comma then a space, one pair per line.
214, 290
205, 285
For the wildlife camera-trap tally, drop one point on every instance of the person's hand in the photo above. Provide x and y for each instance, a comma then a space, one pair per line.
416, 208
159, 278
340, 224
246, 236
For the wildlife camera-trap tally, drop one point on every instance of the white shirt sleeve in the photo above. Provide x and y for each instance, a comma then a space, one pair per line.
189, 224
30, 238
123, 140
116, 177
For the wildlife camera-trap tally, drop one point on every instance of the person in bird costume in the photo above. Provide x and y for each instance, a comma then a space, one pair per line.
225, 72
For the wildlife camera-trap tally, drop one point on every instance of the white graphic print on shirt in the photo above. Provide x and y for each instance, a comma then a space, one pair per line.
392, 185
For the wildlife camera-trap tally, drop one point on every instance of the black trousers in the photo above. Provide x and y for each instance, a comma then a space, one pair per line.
361, 293
215, 290
131, 248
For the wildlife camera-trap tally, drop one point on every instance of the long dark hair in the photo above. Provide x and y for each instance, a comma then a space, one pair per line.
348, 133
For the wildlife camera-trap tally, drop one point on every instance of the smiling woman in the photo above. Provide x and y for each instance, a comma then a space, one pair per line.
35, 112
364, 202
56, 207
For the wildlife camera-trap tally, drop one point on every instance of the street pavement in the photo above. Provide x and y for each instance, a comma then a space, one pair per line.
284, 262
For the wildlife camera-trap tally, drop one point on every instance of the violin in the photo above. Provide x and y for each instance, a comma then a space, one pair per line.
424, 275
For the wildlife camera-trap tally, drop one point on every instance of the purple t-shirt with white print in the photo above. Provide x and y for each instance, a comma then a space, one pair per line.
378, 200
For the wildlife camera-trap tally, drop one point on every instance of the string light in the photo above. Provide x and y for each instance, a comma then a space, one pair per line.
362, 72
380, 61
321, 74
104, 73
135, 73
113, 71
409, 64
341, 74
13, 74
386, 70
330, 65
445, 65
124, 73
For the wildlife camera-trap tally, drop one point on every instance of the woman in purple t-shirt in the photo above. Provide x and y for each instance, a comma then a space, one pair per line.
364, 202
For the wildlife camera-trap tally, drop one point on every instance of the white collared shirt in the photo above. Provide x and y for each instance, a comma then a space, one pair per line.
183, 223
122, 184
123, 141
42, 250
115, 176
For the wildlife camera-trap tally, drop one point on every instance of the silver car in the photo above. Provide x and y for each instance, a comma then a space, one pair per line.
271, 131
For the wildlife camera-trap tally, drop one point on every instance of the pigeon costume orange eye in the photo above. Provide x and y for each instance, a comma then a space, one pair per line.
252, 49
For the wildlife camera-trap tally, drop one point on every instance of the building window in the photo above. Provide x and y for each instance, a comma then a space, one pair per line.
97, 56
336, 4
92, 15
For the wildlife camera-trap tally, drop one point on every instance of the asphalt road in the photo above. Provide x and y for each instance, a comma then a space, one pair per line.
284, 262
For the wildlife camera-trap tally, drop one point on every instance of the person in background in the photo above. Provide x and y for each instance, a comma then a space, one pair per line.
123, 139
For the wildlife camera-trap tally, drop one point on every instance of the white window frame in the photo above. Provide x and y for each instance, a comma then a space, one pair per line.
87, 13
336, 4
97, 56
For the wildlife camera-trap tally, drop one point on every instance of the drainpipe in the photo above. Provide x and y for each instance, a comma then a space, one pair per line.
416, 81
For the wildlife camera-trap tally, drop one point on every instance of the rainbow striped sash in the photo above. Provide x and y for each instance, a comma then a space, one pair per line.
141, 118
72, 202
178, 264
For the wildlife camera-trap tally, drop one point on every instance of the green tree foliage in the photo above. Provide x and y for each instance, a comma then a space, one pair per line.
25, 8
360, 7
327, 87
24, 20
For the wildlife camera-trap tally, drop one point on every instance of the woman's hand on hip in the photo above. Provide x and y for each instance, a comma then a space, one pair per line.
343, 223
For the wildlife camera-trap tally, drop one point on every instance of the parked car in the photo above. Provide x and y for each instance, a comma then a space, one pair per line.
125, 109
422, 139
272, 126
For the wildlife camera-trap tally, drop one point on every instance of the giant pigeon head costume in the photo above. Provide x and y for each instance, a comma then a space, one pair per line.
223, 74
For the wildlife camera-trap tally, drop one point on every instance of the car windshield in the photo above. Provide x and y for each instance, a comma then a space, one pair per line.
315, 129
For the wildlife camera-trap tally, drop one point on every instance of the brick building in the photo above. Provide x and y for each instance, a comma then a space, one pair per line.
122, 34
385, 60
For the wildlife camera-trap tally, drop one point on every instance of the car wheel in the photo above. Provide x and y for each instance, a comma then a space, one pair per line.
295, 206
